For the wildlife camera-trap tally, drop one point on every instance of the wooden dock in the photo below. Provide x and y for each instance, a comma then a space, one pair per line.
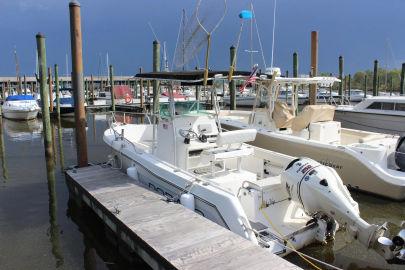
164, 234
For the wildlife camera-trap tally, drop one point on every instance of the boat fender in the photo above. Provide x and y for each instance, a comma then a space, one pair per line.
132, 172
187, 200
400, 153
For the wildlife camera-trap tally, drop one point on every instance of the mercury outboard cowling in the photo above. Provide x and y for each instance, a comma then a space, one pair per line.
400, 153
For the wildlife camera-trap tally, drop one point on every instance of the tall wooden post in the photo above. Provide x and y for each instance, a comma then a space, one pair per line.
57, 96
375, 78
341, 79
349, 87
156, 68
50, 90
141, 89
25, 85
92, 88
402, 84
295, 75
112, 88
77, 82
44, 95
232, 83
365, 85
314, 66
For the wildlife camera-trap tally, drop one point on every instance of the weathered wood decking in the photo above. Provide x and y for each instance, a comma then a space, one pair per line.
164, 234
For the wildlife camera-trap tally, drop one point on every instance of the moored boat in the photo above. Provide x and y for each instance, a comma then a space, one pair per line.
279, 202
20, 107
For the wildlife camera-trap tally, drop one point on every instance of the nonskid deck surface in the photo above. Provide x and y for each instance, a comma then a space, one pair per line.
166, 235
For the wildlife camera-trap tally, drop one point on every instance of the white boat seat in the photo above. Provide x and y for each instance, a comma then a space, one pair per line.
236, 136
217, 154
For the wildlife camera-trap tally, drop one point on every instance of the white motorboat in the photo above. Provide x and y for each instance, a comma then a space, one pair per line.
286, 95
367, 161
379, 113
20, 107
357, 95
277, 201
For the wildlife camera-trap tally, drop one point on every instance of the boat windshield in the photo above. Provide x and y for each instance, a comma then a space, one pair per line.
183, 108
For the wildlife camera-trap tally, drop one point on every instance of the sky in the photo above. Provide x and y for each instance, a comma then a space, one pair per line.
360, 30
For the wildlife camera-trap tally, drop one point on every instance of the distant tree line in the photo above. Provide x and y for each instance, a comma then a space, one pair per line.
386, 80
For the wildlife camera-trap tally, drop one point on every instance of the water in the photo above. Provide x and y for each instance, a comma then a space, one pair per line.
41, 229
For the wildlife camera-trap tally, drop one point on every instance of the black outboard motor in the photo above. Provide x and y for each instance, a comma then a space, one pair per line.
400, 153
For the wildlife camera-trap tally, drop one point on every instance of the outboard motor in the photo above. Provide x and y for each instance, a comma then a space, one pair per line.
400, 153
321, 192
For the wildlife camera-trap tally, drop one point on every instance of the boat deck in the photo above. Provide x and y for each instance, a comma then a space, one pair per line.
166, 235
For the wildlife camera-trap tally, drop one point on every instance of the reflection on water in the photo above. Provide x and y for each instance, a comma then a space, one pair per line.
3, 153
54, 230
38, 224
23, 130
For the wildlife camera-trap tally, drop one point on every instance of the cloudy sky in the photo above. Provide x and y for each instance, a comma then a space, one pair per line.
361, 31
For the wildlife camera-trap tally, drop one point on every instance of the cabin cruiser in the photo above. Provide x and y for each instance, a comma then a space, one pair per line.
20, 107
279, 202
385, 113
367, 161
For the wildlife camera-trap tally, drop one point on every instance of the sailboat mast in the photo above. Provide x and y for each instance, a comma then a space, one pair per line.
166, 63
17, 69
108, 69
183, 48
251, 36
274, 29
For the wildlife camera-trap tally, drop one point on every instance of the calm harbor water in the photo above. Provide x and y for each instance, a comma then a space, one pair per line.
41, 229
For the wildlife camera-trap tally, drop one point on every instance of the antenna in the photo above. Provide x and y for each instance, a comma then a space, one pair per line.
165, 61
17, 65
153, 32
274, 29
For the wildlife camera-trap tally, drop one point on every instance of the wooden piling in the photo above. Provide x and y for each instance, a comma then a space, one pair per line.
156, 68
44, 95
50, 90
295, 75
77, 82
92, 88
232, 83
141, 89
402, 84
112, 88
365, 85
375, 78
25, 85
314, 66
341, 79
57, 96
349, 86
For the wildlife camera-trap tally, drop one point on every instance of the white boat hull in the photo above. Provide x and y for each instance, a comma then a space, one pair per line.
20, 114
394, 124
355, 171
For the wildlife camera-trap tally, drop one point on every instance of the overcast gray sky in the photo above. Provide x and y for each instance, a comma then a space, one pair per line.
360, 30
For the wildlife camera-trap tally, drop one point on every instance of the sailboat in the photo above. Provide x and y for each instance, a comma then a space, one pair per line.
280, 202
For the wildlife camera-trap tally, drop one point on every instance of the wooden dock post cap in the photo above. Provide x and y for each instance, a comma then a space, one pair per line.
155, 42
40, 35
74, 3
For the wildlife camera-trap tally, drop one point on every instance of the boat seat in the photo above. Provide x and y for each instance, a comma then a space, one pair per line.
236, 137
218, 154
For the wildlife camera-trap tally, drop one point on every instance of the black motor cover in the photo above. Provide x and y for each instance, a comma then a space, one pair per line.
400, 153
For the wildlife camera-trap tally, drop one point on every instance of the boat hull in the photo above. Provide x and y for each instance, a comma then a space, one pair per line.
394, 124
20, 114
354, 173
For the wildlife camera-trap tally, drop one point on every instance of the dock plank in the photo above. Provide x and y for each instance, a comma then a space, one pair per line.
165, 234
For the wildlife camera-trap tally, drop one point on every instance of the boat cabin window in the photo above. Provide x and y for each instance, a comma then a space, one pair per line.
400, 107
388, 106
375, 106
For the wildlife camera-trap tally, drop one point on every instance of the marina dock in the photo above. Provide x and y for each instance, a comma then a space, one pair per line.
165, 234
